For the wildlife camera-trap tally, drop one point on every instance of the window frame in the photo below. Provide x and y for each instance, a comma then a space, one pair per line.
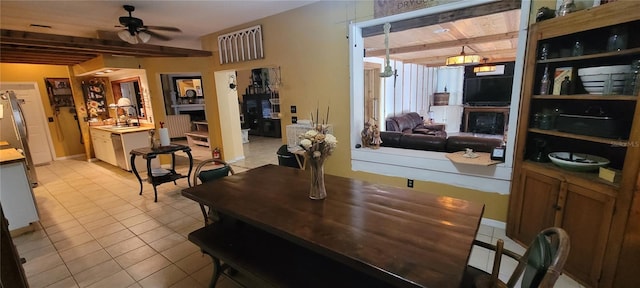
428, 165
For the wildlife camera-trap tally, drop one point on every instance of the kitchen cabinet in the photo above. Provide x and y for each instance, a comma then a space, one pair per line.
593, 211
103, 147
546, 197
16, 194
116, 152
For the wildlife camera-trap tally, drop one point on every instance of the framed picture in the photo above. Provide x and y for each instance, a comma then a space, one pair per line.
59, 91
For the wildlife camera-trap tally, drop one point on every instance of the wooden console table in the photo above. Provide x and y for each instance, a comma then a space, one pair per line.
488, 109
171, 175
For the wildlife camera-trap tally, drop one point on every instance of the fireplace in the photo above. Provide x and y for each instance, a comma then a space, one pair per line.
486, 120
196, 115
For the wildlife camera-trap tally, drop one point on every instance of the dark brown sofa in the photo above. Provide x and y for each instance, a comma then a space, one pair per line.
408, 131
412, 123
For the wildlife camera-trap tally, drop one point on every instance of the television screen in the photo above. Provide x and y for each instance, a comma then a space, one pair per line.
488, 90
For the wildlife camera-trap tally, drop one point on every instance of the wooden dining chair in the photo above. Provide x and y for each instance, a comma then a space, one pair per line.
540, 266
209, 170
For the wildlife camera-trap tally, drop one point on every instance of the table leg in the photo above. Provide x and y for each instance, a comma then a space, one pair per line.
135, 171
190, 167
173, 165
150, 175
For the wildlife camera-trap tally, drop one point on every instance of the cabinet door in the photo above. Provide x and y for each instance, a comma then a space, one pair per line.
586, 216
537, 197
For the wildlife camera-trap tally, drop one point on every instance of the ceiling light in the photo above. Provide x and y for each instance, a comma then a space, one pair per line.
144, 36
484, 67
462, 59
126, 36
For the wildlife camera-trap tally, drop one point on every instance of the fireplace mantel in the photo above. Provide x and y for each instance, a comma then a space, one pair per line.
187, 107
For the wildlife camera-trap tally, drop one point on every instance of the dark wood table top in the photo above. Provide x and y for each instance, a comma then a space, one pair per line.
404, 237
152, 152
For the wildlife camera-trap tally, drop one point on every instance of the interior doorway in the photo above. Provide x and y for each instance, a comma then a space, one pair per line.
40, 142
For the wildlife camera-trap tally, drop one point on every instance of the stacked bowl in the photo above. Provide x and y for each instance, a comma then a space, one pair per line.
604, 79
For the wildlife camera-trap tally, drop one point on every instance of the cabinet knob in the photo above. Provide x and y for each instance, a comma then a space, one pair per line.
557, 207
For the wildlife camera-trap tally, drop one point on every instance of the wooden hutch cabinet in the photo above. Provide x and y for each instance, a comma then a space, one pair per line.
593, 211
260, 112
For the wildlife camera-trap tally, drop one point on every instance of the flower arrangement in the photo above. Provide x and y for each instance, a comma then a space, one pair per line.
318, 145
317, 142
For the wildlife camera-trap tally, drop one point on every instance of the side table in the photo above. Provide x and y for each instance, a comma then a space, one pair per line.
171, 176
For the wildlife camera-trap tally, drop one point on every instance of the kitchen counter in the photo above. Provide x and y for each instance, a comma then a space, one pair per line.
18, 202
113, 144
10, 155
123, 130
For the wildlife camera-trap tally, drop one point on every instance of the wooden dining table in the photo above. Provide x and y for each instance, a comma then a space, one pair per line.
403, 237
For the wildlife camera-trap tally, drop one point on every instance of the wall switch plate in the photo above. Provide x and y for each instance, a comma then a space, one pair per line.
293, 109
410, 183
294, 119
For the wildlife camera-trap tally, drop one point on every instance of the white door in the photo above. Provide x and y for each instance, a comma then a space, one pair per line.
39, 136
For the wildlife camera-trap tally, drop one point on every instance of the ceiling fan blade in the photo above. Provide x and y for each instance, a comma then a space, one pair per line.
163, 28
157, 36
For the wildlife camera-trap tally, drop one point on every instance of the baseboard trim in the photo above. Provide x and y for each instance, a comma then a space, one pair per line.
494, 223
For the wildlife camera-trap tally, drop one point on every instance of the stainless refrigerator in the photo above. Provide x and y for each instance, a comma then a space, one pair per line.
13, 129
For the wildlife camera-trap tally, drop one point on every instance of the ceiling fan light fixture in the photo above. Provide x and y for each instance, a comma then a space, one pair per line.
127, 37
463, 59
144, 36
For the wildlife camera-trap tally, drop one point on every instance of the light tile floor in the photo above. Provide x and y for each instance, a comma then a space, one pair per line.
96, 231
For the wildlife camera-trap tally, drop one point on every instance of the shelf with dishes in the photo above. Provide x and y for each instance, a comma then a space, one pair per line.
613, 142
601, 55
587, 97
579, 110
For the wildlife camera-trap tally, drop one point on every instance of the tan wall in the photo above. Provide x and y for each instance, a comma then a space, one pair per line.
64, 130
310, 45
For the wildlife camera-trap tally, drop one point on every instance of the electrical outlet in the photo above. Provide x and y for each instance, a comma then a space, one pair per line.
410, 183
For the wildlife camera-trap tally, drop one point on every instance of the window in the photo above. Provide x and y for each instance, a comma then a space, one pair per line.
416, 164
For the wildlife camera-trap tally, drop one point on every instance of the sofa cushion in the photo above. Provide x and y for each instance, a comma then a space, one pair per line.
404, 122
478, 144
423, 142
390, 138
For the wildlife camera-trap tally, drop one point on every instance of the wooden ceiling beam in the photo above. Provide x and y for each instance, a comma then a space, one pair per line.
442, 45
444, 17
41, 48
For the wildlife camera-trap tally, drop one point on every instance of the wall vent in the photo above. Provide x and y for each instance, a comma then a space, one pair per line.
241, 45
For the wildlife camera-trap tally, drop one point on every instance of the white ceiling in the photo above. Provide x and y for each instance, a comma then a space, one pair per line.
83, 18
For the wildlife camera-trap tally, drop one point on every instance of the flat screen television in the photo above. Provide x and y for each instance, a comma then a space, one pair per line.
489, 90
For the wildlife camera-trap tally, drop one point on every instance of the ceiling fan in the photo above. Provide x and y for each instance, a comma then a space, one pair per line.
136, 32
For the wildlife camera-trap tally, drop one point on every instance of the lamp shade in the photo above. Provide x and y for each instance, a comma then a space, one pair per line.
484, 68
124, 102
126, 36
144, 36
462, 59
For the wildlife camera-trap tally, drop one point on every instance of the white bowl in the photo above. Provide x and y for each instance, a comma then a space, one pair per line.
614, 69
600, 90
579, 161
603, 77
601, 83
